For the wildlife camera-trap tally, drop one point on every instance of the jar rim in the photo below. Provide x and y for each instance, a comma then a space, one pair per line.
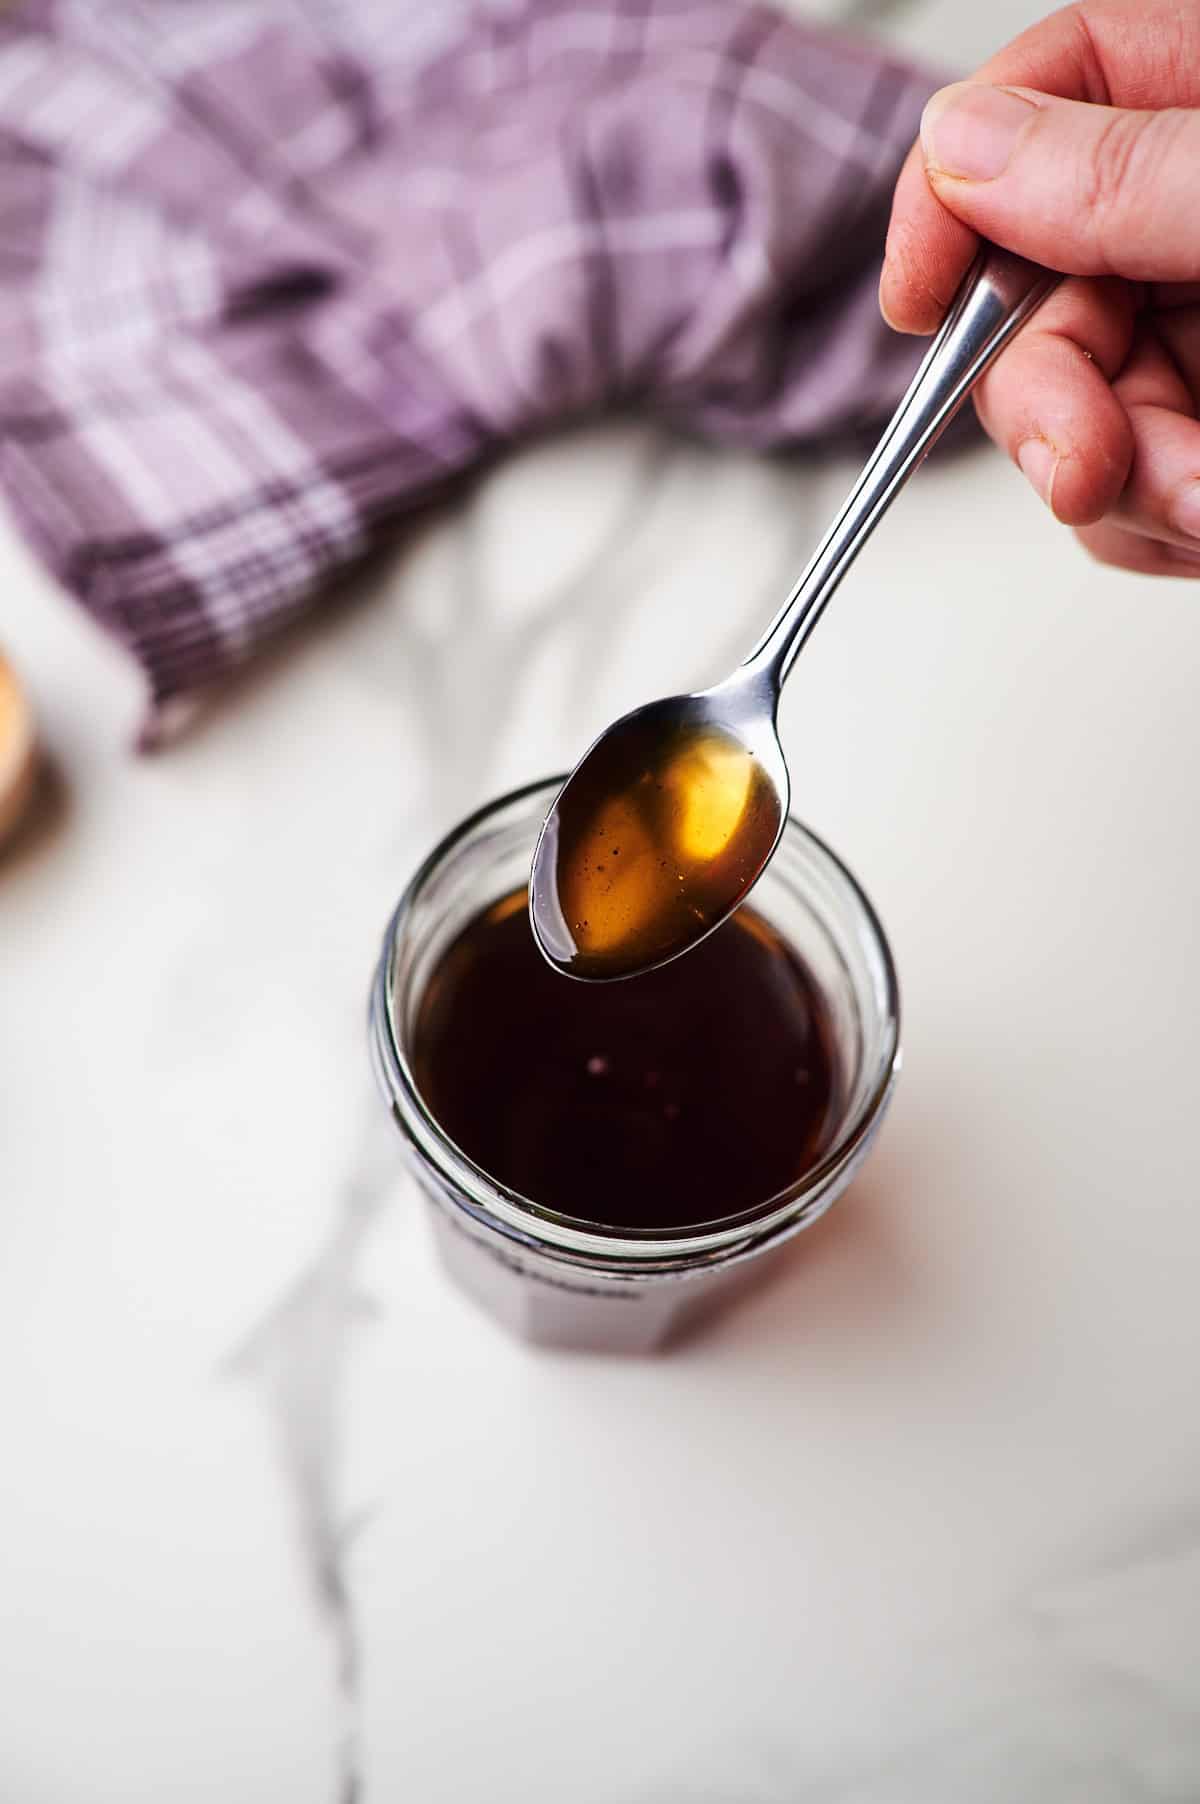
522, 1218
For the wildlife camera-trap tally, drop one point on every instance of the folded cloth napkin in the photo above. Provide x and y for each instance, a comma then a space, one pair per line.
274, 270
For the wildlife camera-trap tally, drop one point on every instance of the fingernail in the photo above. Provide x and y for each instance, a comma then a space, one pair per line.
969, 130
1185, 514
1039, 462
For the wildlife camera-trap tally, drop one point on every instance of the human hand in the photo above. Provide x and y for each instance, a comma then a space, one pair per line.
1097, 399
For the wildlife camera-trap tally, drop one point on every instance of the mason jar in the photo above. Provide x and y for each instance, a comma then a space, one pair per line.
549, 1277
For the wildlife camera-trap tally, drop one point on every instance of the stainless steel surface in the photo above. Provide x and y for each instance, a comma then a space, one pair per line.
998, 295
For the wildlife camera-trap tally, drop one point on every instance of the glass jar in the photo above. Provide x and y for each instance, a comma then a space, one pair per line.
554, 1279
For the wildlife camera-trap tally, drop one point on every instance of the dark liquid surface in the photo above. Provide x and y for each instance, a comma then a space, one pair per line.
659, 833
679, 1097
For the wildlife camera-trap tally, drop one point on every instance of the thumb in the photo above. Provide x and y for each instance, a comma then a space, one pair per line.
1090, 190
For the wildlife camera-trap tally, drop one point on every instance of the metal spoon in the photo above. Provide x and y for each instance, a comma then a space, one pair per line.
714, 758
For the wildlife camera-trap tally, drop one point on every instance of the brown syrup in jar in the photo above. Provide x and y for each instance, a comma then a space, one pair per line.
679, 1097
658, 834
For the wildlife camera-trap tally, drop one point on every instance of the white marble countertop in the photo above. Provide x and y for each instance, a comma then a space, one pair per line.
918, 1525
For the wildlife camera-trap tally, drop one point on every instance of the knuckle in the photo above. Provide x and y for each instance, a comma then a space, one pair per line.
1079, 21
1122, 176
1106, 173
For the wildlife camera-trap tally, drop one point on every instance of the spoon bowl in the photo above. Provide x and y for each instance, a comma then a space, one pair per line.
664, 826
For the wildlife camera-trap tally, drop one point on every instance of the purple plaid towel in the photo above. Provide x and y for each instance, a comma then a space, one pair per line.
274, 270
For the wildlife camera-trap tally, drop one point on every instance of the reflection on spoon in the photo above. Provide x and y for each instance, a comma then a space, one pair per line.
664, 826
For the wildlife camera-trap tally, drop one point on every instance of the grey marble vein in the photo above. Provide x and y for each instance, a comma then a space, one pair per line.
299, 1357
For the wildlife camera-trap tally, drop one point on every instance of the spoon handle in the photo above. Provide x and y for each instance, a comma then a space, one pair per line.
997, 296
